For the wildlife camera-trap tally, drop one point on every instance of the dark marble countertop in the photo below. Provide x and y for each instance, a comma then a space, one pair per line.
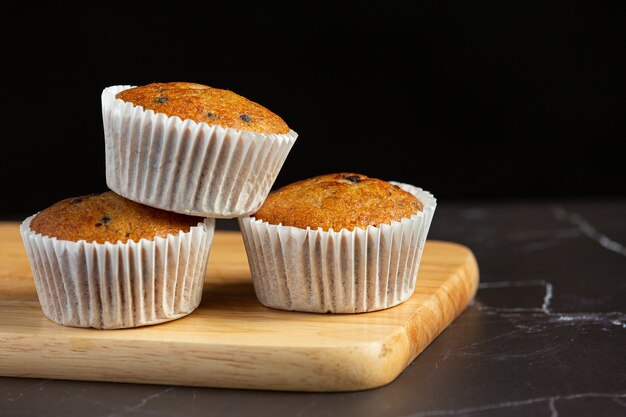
545, 336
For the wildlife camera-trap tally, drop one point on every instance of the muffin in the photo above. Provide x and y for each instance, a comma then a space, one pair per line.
338, 243
106, 262
192, 149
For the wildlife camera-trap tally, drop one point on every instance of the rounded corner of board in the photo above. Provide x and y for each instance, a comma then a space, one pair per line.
370, 366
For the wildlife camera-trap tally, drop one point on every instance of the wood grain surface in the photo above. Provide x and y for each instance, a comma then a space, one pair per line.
231, 340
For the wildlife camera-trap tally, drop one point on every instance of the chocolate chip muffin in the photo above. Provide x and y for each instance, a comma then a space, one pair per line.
202, 103
338, 243
338, 201
106, 262
192, 149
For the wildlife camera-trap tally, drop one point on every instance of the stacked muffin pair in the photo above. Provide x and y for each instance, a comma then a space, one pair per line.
179, 155
137, 255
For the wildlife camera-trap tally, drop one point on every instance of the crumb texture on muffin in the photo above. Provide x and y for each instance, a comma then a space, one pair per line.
108, 217
338, 201
202, 103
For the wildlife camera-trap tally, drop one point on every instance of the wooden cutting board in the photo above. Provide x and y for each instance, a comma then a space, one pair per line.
231, 340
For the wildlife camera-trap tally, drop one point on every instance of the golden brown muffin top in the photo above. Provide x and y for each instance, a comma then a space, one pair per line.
108, 217
202, 103
338, 201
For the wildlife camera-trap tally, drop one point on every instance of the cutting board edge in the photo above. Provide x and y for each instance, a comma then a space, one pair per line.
354, 367
467, 277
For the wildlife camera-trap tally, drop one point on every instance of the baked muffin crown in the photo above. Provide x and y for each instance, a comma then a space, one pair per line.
202, 103
338, 201
108, 217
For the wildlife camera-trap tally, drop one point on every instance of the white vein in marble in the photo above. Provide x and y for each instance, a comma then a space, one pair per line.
588, 230
615, 318
550, 401
547, 299
142, 403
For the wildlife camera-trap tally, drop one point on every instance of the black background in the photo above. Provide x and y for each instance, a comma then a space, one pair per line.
470, 101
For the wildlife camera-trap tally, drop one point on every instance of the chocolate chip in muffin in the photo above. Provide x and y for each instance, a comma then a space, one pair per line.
102, 221
211, 115
160, 100
353, 178
76, 201
246, 118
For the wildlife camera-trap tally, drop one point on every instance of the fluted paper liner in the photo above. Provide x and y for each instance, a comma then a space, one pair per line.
119, 285
337, 272
188, 167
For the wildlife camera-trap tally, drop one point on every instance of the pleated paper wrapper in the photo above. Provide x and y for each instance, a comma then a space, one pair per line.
119, 285
188, 167
337, 272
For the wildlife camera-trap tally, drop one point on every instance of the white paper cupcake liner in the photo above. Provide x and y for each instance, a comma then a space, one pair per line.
119, 285
188, 167
337, 272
